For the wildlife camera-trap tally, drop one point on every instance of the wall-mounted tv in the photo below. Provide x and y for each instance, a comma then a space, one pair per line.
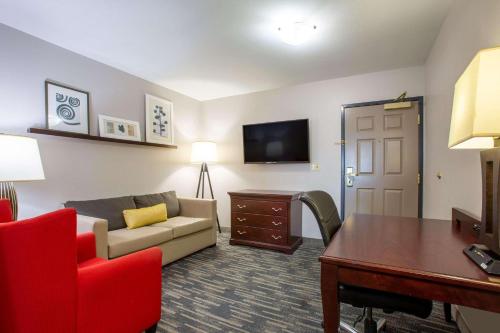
278, 142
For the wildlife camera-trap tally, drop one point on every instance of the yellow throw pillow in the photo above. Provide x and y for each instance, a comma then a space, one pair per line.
136, 218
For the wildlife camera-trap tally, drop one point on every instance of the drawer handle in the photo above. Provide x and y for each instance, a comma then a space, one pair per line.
276, 223
241, 219
241, 206
277, 209
276, 237
242, 232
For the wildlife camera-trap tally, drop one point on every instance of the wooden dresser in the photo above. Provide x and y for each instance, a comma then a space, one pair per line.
267, 219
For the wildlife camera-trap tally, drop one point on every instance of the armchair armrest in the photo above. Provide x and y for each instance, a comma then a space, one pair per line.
85, 246
100, 229
120, 295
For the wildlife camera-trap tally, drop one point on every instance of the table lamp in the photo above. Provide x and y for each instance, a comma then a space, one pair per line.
475, 124
19, 161
204, 152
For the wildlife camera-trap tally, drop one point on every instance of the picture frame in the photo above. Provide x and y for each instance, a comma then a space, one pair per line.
66, 108
159, 120
118, 128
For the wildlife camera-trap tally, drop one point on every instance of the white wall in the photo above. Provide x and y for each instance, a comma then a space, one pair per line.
470, 26
78, 169
320, 102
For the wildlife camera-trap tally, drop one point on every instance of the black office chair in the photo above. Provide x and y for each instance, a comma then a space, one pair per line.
327, 216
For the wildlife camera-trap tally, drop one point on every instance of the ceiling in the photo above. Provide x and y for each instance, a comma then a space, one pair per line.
208, 49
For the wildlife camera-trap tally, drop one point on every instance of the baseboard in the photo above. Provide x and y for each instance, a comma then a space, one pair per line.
312, 241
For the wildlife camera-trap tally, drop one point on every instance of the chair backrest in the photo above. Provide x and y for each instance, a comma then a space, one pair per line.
325, 211
38, 272
5, 211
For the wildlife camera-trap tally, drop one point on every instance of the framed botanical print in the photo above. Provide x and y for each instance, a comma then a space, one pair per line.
117, 128
159, 120
66, 108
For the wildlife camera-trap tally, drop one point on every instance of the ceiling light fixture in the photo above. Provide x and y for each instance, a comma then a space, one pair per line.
296, 33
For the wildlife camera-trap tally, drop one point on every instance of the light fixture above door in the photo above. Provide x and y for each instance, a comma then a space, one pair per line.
296, 33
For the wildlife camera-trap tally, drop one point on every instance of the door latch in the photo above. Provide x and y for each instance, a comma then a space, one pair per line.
349, 176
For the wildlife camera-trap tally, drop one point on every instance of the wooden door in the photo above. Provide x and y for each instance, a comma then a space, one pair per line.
382, 160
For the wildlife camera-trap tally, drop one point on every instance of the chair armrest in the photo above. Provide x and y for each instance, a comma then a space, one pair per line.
85, 246
120, 295
100, 229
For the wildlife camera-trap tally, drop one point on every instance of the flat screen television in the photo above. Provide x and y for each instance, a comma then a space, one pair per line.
278, 142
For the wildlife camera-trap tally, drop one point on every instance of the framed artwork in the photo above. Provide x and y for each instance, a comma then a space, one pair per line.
116, 128
66, 108
159, 120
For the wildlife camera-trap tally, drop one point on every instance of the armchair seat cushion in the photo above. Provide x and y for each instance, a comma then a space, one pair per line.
125, 241
182, 225
91, 262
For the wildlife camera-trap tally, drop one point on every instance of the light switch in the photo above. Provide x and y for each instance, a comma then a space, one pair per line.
314, 166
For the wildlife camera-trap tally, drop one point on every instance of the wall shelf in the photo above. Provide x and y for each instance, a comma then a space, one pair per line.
45, 131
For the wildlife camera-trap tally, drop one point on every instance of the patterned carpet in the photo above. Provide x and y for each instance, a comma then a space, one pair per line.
243, 289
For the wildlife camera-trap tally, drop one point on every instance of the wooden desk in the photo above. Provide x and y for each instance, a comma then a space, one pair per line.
409, 256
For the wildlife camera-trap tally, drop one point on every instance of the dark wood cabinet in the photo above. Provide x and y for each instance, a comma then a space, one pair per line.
267, 219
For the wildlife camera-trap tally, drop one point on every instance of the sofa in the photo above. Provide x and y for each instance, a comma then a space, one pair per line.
191, 225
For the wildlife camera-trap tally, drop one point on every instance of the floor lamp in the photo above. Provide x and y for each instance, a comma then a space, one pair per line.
204, 152
19, 161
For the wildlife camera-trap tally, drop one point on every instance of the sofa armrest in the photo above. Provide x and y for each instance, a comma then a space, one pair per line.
121, 295
191, 207
100, 229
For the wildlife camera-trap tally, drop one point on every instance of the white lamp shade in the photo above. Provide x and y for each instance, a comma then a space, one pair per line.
475, 120
19, 159
203, 151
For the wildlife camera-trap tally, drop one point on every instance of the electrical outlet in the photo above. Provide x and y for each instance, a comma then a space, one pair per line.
314, 166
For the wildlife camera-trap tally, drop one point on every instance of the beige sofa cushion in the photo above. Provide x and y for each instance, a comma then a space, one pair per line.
125, 241
182, 225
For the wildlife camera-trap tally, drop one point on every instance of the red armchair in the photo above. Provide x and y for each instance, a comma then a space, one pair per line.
5, 211
51, 281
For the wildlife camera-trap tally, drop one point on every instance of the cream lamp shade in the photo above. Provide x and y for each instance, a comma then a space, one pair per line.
475, 120
203, 152
19, 159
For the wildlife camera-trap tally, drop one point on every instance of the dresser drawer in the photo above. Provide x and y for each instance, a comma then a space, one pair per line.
260, 221
275, 208
259, 235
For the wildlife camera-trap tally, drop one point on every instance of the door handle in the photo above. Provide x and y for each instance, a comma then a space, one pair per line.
349, 176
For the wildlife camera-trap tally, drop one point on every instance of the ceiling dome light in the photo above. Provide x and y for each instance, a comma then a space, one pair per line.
296, 33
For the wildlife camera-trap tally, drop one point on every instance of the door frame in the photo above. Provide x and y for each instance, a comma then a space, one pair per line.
346, 107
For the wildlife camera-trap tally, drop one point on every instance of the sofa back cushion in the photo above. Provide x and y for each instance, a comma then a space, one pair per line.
169, 198
110, 209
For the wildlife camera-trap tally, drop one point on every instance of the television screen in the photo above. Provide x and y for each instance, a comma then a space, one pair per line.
279, 142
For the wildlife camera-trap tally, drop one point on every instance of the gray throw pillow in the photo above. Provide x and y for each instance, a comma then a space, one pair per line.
148, 200
110, 209
169, 198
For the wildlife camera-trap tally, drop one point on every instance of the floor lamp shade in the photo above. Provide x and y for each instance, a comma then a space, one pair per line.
475, 120
203, 152
19, 161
